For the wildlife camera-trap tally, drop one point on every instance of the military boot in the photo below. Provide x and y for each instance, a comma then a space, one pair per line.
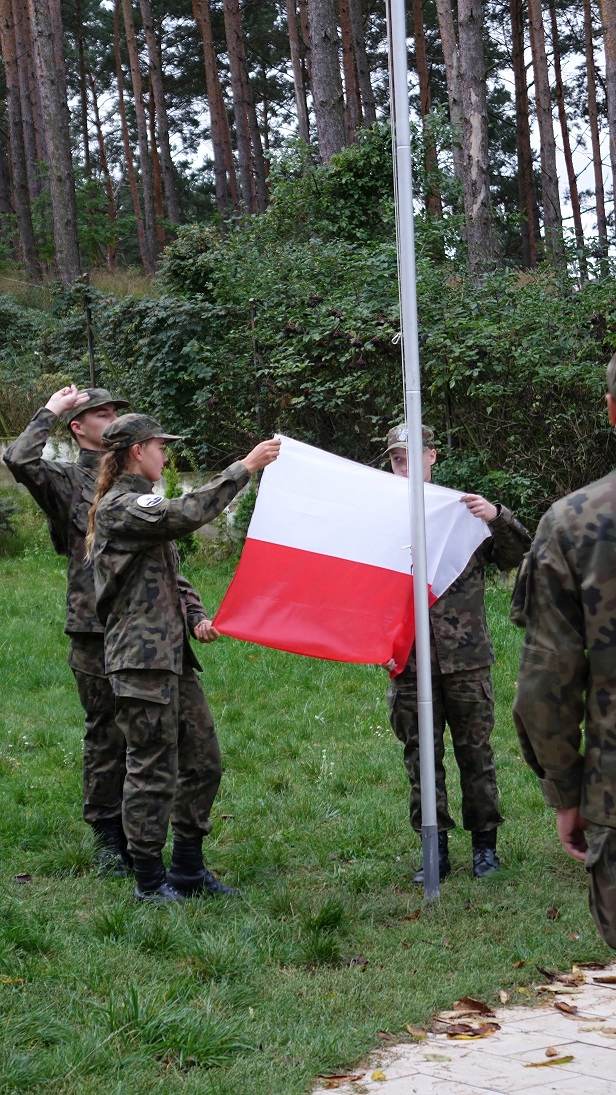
152, 885
485, 859
190, 876
111, 857
444, 867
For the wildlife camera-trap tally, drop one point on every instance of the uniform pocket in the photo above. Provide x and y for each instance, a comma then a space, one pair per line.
596, 840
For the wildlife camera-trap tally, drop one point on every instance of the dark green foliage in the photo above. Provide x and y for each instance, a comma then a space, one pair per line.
7, 514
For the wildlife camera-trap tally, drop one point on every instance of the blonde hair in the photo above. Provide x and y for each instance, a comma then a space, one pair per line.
111, 466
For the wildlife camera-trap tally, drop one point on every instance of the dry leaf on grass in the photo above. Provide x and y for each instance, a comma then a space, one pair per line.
417, 1033
386, 1036
554, 1061
503, 996
4, 980
552, 913
378, 1074
518, 965
610, 980
469, 1004
358, 960
567, 1009
413, 915
468, 1031
338, 1079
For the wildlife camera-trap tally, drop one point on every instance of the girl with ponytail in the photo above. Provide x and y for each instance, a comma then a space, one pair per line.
173, 764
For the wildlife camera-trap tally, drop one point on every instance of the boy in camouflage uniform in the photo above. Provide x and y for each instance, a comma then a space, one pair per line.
566, 598
64, 491
461, 656
172, 759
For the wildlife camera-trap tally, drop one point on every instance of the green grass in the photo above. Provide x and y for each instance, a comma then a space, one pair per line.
262, 994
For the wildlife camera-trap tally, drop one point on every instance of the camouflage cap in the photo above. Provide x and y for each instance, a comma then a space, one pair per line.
611, 376
130, 429
397, 437
97, 397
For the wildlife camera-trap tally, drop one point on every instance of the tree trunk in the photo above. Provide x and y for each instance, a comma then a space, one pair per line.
304, 26
21, 195
224, 168
233, 33
147, 260
156, 80
326, 82
434, 205
259, 166
83, 88
299, 85
29, 62
23, 49
608, 20
145, 168
452, 69
112, 211
552, 218
352, 105
564, 128
361, 62
593, 119
5, 177
157, 178
480, 234
527, 198
46, 20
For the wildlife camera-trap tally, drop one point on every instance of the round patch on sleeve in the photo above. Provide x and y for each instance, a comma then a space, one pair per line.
149, 501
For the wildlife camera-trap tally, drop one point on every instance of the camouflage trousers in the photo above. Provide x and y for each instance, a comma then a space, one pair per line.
173, 765
104, 748
601, 866
464, 702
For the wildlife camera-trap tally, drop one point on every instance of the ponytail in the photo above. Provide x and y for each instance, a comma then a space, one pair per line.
111, 466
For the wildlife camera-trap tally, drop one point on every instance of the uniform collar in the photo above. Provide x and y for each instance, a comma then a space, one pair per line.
134, 483
89, 458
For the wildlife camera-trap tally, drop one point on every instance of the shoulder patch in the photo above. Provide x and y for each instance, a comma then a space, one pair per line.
149, 501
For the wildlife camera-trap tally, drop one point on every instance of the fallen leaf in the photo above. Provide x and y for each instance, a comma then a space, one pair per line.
552, 913
559, 987
386, 1036
592, 965
468, 1031
523, 991
518, 965
551, 1052
503, 996
468, 1005
605, 980
554, 1061
338, 1079
378, 1074
417, 1033
358, 960
573, 936
413, 915
226, 817
567, 1009
4, 980
22, 878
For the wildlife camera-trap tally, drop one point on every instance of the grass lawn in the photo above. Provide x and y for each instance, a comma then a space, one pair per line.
329, 944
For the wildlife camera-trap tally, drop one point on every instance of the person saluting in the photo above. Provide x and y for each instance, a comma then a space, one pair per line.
172, 757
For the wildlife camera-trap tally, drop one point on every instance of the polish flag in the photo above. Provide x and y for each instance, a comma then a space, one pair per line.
326, 569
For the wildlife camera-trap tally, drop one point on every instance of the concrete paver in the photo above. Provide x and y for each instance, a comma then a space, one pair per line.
498, 1064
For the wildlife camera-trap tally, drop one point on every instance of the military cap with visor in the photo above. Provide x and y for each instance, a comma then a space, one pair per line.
397, 438
97, 397
132, 429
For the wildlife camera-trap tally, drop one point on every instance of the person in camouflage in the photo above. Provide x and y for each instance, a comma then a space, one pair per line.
565, 596
64, 491
172, 759
461, 656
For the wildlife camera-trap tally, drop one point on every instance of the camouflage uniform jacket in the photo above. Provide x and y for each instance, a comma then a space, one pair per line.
459, 637
566, 597
135, 568
64, 490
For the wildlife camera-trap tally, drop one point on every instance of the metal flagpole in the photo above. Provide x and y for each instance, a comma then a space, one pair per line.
403, 180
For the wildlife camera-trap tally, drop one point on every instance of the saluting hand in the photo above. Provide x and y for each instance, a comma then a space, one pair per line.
205, 632
480, 507
66, 399
264, 453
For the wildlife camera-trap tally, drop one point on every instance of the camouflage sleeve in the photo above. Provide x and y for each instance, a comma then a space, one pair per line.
191, 602
47, 480
150, 518
549, 704
509, 542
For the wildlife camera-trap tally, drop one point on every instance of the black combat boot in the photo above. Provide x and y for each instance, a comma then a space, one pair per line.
189, 875
152, 882
444, 867
111, 857
485, 859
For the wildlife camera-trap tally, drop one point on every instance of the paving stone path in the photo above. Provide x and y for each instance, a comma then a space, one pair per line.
499, 1064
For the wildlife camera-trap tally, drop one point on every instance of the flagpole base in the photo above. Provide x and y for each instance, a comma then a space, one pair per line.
429, 846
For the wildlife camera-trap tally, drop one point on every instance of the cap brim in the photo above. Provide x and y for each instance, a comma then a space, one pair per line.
168, 437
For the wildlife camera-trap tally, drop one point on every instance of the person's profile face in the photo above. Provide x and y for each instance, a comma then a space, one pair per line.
152, 458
